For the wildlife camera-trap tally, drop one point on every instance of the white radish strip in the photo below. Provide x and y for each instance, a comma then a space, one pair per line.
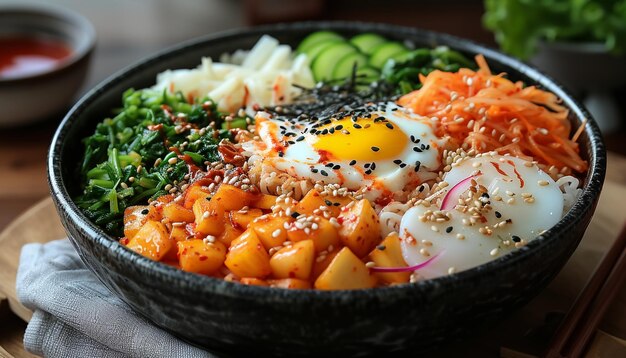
278, 60
260, 52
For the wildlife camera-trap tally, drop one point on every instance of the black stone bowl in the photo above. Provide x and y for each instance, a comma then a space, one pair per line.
235, 319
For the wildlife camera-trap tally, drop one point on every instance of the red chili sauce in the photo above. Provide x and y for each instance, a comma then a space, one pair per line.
23, 55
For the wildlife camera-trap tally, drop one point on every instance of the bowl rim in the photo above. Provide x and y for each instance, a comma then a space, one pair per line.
67, 16
202, 285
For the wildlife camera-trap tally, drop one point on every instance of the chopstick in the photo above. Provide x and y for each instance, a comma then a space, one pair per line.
582, 320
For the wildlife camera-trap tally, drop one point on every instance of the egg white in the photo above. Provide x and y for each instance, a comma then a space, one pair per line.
526, 218
302, 160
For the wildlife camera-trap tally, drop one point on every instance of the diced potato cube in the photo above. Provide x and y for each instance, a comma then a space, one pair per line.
345, 272
193, 193
247, 257
177, 213
265, 202
152, 241
290, 283
253, 281
294, 261
322, 262
313, 200
360, 228
229, 197
271, 230
241, 219
323, 236
136, 216
201, 257
229, 234
209, 221
389, 254
178, 233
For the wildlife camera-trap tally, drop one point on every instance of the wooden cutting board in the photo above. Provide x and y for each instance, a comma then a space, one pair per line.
41, 224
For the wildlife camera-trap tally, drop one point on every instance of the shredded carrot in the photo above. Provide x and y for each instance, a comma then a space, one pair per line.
485, 112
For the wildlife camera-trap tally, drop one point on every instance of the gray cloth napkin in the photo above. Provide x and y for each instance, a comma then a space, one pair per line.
75, 315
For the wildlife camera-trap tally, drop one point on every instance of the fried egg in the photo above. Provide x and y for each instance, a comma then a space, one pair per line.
493, 205
379, 149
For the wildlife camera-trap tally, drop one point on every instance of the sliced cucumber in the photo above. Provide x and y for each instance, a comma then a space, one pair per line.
324, 64
385, 51
317, 37
316, 49
346, 64
367, 42
367, 74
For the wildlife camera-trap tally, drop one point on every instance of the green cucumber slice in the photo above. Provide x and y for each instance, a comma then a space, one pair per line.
367, 74
367, 42
317, 37
316, 49
385, 51
346, 64
324, 65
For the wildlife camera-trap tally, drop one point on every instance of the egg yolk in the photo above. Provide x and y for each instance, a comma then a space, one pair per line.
366, 139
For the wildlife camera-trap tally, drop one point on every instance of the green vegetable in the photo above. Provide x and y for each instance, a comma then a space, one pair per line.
137, 143
519, 24
404, 74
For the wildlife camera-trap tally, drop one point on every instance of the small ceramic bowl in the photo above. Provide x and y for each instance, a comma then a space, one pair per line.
237, 319
29, 98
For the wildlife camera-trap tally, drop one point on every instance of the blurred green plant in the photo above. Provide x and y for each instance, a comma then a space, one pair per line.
518, 25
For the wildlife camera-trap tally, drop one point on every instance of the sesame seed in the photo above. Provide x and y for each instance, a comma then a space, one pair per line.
460, 236
375, 149
205, 215
451, 270
494, 252
449, 229
434, 228
370, 264
424, 252
543, 182
172, 160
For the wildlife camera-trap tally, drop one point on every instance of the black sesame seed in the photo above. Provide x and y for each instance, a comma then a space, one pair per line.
208, 198
313, 170
352, 162
516, 238
323, 172
337, 167
145, 211
449, 229
357, 126
328, 202
336, 203
389, 125
301, 138
397, 161
416, 149
373, 167
339, 127
331, 131
295, 214
368, 172
367, 165
281, 154
376, 149
329, 165
417, 165
485, 195
508, 221
381, 247
498, 215
402, 165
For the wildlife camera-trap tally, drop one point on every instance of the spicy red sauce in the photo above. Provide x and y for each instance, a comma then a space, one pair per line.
22, 56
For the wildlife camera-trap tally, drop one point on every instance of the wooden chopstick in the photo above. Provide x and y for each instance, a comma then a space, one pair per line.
582, 320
